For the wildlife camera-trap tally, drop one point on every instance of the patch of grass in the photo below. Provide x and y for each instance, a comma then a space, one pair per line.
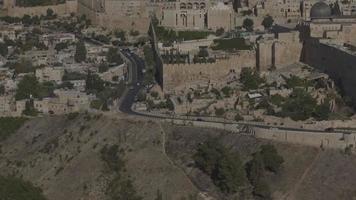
231, 44
9, 125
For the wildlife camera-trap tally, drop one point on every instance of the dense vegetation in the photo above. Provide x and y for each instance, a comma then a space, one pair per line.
301, 106
267, 159
12, 188
250, 79
9, 125
223, 166
29, 86
248, 24
80, 52
229, 173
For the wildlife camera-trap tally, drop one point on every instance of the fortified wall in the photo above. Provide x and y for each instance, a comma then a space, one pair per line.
184, 75
335, 60
70, 6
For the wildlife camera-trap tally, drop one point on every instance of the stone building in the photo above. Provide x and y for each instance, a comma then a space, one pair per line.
50, 74
66, 101
323, 24
184, 14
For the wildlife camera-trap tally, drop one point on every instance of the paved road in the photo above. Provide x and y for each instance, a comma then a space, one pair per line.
128, 100
136, 72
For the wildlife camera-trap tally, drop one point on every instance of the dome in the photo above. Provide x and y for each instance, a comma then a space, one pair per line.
320, 10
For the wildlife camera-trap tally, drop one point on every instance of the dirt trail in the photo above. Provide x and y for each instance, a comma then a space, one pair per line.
290, 195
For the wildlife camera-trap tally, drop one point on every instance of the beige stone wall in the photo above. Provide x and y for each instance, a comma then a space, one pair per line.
279, 52
184, 75
60, 9
221, 18
286, 53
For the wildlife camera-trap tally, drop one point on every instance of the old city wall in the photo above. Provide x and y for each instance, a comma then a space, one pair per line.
178, 75
337, 63
113, 22
60, 9
286, 53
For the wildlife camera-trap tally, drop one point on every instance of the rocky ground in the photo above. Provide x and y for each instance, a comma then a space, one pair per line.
62, 156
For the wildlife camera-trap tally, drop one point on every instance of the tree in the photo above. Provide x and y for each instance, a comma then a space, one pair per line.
3, 49
229, 174
300, 105
255, 174
26, 87
220, 31
250, 79
94, 83
80, 52
248, 24
120, 34
271, 159
26, 20
50, 13
169, 104
322, 111
224, 167
267, 22
114, 57
60, 46
226, 91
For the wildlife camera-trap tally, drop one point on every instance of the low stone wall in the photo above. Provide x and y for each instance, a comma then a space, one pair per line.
331, 140
316, 139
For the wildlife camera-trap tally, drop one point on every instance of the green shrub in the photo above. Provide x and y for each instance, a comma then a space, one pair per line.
12, 188
224, 167
271, 159
111, 157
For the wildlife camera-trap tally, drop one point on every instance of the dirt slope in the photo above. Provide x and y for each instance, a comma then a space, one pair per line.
62, 156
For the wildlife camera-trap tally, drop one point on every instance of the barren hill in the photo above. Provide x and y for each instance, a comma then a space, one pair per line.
62, 155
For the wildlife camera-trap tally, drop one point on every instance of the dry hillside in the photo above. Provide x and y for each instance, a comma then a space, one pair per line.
62, 156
